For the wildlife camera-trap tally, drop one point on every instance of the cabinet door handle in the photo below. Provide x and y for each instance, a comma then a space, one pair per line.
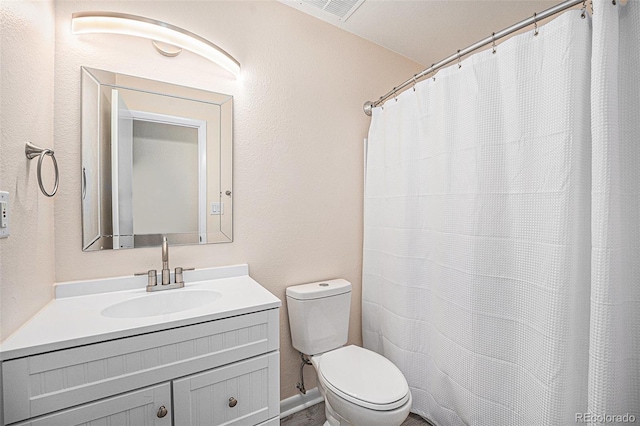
232, 402
162, 411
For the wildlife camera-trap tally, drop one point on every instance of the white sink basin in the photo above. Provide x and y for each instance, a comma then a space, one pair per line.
166, 302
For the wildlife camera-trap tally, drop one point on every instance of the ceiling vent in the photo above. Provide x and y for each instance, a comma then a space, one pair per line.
342, 9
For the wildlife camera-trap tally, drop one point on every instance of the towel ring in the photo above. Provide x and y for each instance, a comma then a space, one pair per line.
32, 151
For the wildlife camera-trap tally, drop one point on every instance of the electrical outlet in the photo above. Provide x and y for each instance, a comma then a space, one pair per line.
4, 214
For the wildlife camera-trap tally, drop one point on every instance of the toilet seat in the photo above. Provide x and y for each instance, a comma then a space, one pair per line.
364, 378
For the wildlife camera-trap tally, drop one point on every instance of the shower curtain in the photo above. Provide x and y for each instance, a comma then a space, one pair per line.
501, 267
614, 344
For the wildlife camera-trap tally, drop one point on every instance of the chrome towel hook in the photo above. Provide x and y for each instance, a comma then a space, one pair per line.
32, 151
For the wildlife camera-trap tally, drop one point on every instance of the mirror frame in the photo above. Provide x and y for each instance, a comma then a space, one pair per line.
95, 170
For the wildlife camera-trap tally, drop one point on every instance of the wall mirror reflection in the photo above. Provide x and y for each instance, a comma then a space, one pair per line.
156, 161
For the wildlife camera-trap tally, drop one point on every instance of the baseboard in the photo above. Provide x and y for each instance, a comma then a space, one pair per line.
299, 402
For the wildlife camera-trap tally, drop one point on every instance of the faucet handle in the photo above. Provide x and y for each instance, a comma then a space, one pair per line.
153, 277
178, 274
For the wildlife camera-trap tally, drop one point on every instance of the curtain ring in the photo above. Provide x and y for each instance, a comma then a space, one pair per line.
434, 72
584, 9
493, 42
459, 64
414, 82
395, 94
535, 23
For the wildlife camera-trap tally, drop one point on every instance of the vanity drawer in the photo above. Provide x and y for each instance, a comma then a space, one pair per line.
41, 384
139, 408
242, 394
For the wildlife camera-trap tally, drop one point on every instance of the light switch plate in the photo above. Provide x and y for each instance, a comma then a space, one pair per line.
4, 214
217, 208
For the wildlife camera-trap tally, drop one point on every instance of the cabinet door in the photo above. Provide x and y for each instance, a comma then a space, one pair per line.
138, 408
241, 394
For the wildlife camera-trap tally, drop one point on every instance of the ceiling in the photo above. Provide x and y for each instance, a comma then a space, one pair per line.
425, 31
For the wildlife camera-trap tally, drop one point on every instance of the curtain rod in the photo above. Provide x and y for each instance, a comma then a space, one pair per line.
460, 53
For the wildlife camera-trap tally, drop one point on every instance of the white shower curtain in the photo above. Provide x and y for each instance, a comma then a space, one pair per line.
499, 274
614, 344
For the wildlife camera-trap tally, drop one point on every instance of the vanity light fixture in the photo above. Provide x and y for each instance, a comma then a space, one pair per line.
121, 23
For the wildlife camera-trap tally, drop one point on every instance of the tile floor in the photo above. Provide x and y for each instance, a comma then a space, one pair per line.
314, 416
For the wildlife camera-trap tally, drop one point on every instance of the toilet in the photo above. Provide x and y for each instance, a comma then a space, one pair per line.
360, 387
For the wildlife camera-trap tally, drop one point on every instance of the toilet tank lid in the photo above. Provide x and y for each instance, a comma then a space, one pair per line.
319, 289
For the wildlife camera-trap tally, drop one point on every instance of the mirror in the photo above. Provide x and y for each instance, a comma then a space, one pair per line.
156, 161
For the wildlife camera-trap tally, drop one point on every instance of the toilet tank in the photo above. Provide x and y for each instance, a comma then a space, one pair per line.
319, 315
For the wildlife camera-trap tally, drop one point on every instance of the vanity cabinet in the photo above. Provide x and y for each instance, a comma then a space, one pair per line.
217, 372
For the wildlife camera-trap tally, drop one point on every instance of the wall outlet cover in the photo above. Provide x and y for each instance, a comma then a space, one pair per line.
4, 214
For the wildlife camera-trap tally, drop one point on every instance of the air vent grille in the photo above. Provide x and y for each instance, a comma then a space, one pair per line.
317, 3
340, 8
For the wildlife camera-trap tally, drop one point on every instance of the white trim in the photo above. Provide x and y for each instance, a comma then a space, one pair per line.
300, 402
202, 182
164, 118
122, 169
115, 214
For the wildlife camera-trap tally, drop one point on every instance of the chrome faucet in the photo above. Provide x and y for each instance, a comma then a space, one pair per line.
152, 283
166, 272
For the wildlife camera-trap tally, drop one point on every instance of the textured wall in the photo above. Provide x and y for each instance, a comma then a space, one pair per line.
26, 115
298, 154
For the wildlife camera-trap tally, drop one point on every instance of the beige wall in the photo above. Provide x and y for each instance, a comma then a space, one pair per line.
26, 115
298, 131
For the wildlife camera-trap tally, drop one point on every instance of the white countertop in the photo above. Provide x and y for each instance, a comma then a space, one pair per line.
74, 317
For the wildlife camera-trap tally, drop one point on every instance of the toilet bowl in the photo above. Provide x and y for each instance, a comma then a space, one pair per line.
359, 386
